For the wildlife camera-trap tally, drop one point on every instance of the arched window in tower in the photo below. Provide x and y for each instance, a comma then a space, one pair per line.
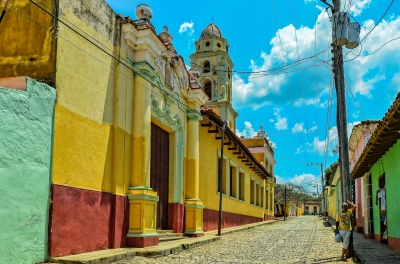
167, 75
229, 73
206, 66
207, 87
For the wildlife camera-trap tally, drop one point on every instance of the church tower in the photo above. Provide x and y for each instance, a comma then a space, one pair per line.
213, 65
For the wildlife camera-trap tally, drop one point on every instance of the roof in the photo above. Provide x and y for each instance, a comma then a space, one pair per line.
239, 146
384, 137
212, 30
356, 132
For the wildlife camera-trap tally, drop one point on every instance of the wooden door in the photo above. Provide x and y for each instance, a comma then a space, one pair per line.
159, 172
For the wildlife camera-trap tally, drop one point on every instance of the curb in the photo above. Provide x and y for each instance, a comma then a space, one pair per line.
174, 247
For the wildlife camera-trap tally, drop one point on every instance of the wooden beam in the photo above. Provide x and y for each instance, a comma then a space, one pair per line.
237, 152
241, 157
206, 125
213, 131
233, 148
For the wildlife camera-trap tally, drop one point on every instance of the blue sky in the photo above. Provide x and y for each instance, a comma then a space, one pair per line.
293, 103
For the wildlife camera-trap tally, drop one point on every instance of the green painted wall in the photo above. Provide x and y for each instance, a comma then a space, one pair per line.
26, 127
388, 164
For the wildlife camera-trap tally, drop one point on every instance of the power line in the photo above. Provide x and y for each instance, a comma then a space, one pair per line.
165, 93
284, 59
301, 73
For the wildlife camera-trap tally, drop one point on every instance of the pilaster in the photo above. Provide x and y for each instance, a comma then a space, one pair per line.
142, 218
142, 199
193, 206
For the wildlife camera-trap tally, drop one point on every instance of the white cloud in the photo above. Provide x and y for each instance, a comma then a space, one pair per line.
281, 123
358, 6
330, 142
248, 130
298, 127
308, 181
272, 120
187, 27
363, 74
279, 179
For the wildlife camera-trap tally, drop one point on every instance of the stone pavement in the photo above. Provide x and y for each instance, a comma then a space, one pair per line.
163, 249
303, 239
372, 251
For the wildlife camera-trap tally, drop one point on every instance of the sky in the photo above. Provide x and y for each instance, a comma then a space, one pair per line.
294, 102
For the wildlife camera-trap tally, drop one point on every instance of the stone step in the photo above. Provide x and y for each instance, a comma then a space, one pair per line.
165, 231
170, 238
171, 235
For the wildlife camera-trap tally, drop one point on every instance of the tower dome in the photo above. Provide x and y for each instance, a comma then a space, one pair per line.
211, 30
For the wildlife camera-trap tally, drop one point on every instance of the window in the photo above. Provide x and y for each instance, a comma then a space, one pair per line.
198, 47
271, 200
241, 186
207, 43
232, 181
252, 192
218, 45
267, 199
167, 76
262, 196
207, 87
229, 73
206, 66
223, 175
257, 194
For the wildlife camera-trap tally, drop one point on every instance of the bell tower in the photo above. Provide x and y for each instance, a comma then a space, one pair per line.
213, 65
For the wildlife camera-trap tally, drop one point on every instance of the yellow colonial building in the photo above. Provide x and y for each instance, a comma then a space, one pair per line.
137, 136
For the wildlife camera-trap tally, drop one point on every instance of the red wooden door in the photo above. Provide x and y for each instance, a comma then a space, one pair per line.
159, 172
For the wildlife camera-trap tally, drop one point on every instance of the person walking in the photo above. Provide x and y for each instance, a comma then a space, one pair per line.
343, 226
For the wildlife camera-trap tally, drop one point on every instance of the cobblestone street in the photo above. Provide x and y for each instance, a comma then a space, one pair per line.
302, 239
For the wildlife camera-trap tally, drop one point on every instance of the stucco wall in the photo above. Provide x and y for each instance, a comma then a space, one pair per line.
26, 126
388, 164
31, 46
93, 120
208, 183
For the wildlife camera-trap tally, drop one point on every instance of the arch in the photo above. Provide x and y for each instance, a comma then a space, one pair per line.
206, 66
207, 86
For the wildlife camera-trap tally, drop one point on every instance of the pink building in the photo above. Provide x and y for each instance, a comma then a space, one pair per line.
359, 137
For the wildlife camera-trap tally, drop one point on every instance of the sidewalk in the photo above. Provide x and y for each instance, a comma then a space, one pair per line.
163, 249
370, 250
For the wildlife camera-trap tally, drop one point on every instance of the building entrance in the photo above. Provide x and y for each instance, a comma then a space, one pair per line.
159, 172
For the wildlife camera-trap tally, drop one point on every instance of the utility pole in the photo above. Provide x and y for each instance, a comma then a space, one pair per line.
284, 207
341, 121
341, 118
221, 163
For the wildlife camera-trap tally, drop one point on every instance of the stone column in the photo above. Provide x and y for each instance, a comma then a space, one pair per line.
142, 199
193, 206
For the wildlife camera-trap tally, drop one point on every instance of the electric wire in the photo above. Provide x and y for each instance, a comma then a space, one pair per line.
301, 74
376, 24
127, 66
284, 59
